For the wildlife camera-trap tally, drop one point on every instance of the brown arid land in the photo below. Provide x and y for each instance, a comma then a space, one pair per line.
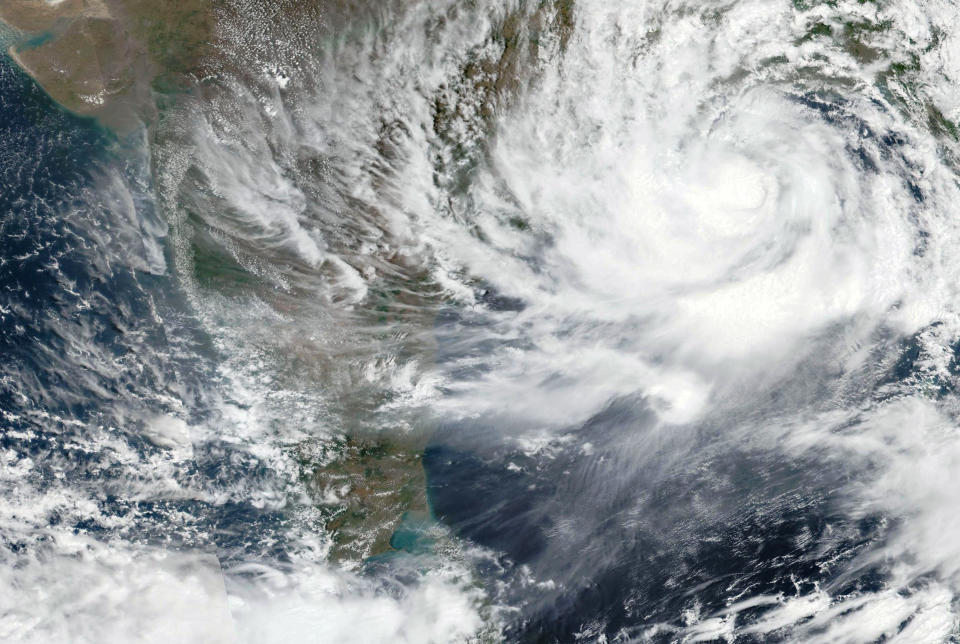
101, 58
118, 60
109, 60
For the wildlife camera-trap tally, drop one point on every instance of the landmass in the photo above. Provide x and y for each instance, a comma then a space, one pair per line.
101, 58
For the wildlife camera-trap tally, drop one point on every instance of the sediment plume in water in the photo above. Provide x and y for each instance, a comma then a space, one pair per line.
430, 321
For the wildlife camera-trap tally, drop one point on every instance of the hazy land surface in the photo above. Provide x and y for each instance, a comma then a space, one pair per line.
121, 62
103, 58
605, 305
133, 64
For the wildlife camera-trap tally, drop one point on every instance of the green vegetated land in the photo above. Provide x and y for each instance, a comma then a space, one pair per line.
119, 61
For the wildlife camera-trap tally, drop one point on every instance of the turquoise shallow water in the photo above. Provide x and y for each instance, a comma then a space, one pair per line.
664, 294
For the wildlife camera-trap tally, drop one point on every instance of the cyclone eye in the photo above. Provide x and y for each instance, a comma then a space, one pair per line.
430, 321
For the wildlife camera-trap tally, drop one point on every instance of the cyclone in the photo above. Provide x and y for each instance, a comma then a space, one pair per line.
433, 321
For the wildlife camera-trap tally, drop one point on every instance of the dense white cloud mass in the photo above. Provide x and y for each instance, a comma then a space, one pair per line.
620, 250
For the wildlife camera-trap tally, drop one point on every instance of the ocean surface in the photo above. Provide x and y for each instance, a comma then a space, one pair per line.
435, 321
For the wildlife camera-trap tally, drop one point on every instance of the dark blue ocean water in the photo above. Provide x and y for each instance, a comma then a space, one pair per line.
84, 343
625, 541
647, 524
96, 338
